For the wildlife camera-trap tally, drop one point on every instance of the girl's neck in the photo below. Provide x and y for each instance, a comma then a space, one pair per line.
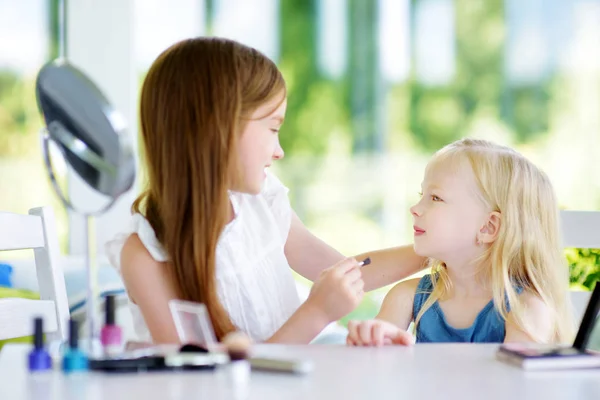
465, 279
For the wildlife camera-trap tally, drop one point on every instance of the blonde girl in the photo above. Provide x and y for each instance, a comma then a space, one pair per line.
488, 221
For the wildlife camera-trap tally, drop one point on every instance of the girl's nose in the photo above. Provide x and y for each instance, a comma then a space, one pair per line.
278, 154
415, 210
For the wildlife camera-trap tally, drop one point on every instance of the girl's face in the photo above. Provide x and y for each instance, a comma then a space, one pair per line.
259, 145
449, 215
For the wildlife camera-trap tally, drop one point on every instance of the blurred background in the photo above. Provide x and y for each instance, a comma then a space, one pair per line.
375, 87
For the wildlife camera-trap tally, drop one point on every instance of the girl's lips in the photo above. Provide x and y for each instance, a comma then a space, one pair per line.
418, 231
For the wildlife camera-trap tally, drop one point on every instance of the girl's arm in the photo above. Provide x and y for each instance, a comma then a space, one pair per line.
539, 315
302, 327
336, 292
397, 307
150, 287
390, 325
308, 255
390, 265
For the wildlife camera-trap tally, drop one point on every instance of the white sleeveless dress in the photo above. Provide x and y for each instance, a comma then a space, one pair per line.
255, 281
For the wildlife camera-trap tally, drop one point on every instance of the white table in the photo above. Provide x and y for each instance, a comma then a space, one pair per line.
454, 371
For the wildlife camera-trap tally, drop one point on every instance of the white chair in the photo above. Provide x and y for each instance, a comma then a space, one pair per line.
35, 231
580, 229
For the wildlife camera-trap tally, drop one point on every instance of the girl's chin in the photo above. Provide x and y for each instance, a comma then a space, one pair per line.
420, 251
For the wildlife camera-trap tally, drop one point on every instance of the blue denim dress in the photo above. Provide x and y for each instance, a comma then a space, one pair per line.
488, 327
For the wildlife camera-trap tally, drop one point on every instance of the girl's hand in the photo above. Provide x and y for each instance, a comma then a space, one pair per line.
377, 332
338, 290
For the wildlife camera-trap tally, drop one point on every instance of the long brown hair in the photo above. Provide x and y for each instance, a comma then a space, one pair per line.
193, 104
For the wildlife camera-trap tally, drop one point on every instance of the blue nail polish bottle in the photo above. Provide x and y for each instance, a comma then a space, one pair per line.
74, 359
39, 359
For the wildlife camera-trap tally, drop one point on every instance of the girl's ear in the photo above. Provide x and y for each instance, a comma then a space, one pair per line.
489, 231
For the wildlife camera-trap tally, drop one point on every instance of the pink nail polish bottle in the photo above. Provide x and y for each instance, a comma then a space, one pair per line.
111, 335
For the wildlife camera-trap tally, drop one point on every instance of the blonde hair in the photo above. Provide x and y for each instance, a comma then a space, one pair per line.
527, 252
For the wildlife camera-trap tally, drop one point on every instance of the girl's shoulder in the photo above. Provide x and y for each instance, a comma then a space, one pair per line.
423, 289
145, 232
139, 226
404, 291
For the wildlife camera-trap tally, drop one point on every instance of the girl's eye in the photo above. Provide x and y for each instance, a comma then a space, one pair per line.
435, 198
275, 130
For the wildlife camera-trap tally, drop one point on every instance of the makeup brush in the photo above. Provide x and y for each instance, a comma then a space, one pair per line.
364, 262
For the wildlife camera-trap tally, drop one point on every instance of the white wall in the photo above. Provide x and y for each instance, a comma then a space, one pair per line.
99, 41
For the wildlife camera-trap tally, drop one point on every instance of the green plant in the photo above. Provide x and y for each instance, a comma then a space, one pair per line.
584, 267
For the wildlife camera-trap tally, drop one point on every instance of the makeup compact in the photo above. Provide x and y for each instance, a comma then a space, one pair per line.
193, 325
200, 349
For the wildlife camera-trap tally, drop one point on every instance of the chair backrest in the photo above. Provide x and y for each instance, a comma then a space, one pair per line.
35, 231
580, 229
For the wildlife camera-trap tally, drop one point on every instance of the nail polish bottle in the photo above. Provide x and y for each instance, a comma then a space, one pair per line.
111, 335
74, 359
39, 358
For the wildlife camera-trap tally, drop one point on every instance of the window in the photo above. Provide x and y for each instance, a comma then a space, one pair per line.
368, 105
30, 38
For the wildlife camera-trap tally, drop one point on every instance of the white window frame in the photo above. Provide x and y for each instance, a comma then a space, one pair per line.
99, 41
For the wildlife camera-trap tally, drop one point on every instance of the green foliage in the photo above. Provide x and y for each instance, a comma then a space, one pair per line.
19, 116
363, 81
584, 267
527, 111
438, 116
301, 133
442, 114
